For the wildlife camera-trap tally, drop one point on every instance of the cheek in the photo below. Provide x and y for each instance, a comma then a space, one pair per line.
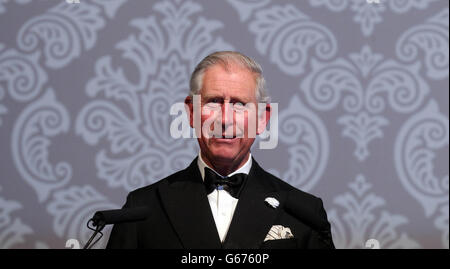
207, 113
244, 122
241, 120
209, 117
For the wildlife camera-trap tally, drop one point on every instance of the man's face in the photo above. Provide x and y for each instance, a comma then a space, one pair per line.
223, 93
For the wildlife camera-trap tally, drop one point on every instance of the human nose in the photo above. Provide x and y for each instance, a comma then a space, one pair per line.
227, 114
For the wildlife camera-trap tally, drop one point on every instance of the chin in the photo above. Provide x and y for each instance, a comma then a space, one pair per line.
224, 154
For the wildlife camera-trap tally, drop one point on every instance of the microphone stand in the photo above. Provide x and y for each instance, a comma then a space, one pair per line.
102, 218
98, 230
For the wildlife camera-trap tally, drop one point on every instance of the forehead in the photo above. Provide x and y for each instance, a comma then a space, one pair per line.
232, 81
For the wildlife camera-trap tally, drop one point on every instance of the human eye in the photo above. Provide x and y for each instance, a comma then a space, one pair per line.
213, 102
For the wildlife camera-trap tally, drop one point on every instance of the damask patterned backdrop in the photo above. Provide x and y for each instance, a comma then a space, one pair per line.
362, 89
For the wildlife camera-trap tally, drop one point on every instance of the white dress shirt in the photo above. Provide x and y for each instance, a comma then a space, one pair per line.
221, 202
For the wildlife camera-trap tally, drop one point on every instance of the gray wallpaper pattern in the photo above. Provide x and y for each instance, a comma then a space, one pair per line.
361, 85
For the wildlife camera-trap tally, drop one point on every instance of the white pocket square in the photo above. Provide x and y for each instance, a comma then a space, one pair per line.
278, 232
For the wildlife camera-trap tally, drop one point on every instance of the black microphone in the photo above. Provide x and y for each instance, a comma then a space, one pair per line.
120, 215
304, 213
115, 216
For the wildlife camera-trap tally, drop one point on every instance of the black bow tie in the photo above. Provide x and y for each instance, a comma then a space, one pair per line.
231, 184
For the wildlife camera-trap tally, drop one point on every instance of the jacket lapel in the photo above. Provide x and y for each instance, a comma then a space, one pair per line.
253, 217
186, 203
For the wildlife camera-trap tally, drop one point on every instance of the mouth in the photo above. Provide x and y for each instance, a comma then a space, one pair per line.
226, 139
223, 137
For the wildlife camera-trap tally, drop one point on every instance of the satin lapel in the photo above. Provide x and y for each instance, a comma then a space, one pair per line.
253, 217
187, 206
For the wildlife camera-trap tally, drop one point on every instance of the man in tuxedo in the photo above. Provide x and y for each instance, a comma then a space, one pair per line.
224, 199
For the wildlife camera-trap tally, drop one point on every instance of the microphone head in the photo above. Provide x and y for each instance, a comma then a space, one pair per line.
120, 215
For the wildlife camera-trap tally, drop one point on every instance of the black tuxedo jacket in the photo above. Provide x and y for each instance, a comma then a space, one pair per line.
181, 216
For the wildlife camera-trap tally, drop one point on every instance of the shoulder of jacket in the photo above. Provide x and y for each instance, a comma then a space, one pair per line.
151, 189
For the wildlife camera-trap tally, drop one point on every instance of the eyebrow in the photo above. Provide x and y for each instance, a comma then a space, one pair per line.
236, 99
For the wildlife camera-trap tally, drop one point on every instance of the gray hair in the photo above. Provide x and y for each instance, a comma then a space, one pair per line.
226, 58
